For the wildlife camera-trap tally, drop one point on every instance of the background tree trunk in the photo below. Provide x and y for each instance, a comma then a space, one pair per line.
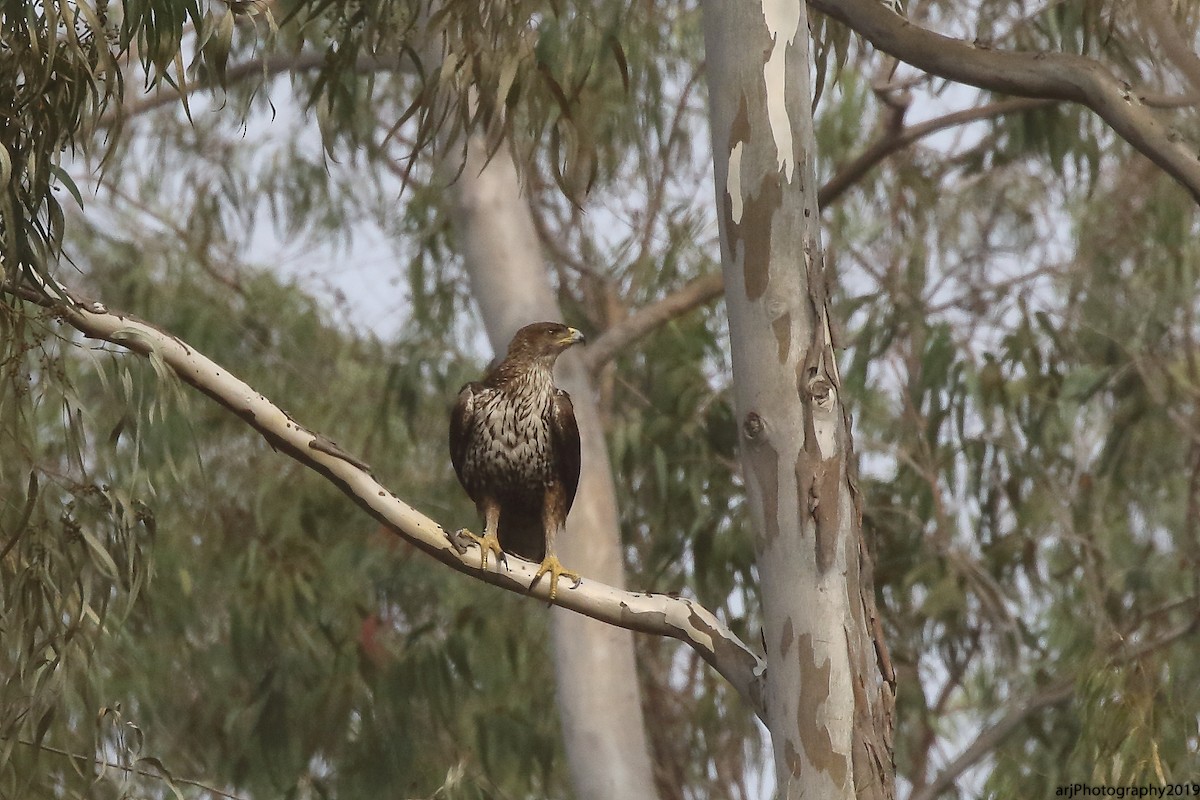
828, 707
598, 698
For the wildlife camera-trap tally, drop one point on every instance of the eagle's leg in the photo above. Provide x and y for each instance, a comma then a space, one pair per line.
554, 516
552, 565
489, 542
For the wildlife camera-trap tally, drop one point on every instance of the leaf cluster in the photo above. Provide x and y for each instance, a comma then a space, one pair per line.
1018, 306
1020, 303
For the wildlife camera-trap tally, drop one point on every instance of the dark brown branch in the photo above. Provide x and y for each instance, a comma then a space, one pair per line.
656, 191
1052, 76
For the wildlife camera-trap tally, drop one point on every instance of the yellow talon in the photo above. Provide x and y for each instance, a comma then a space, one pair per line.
552, 565
488, 543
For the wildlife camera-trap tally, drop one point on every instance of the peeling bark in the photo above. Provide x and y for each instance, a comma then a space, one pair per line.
828, 705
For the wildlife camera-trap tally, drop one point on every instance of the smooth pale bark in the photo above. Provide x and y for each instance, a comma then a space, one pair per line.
828, 705
598, 696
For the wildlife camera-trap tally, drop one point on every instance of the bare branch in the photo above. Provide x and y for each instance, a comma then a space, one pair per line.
267, 67
1157, 16
1054, 76
991, 737
1059, 692
1164, 100
707, 288
897, 138
1041, 79
696, 293
87, 761
664, 615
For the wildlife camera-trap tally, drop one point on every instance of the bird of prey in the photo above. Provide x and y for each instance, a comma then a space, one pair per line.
515, 448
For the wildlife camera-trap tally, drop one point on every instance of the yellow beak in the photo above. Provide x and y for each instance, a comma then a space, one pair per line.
573, 336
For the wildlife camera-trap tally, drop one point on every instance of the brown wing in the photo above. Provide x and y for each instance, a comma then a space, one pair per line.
565, 437
462, 425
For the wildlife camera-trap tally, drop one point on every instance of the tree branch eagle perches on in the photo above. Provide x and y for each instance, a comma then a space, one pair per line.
648, 612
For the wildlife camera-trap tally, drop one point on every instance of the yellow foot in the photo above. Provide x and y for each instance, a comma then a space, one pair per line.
487, 543
552, 565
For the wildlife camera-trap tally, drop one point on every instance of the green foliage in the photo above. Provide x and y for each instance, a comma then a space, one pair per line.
532, 74
1020, 331
277, 606
60, 72
54, 71
179, 604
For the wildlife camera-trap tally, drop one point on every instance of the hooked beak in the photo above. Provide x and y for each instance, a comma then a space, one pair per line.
574, 336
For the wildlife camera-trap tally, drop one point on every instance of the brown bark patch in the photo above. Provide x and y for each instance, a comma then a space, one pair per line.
793, 759
812, 725
828, 512
817, 487
819, 479
764, 463
750, 236
782, 328
752, 231
727, 651
786, 638
754, 234
740, 130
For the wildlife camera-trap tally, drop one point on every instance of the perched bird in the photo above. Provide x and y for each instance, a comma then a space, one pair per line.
515, 447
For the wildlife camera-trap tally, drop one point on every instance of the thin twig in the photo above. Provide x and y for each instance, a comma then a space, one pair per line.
267, 66
707, 288
894, 140
145, 773
648, 318
1057, 693
1156, 15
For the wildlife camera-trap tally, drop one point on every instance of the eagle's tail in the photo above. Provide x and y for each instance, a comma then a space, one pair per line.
520, 533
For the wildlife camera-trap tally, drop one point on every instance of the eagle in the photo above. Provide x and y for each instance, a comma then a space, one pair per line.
514, 444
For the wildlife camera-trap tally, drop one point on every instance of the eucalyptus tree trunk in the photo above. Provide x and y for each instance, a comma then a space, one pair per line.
828, 694
598, 698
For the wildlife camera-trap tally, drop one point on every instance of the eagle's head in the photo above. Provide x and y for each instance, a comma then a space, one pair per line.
543, 341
